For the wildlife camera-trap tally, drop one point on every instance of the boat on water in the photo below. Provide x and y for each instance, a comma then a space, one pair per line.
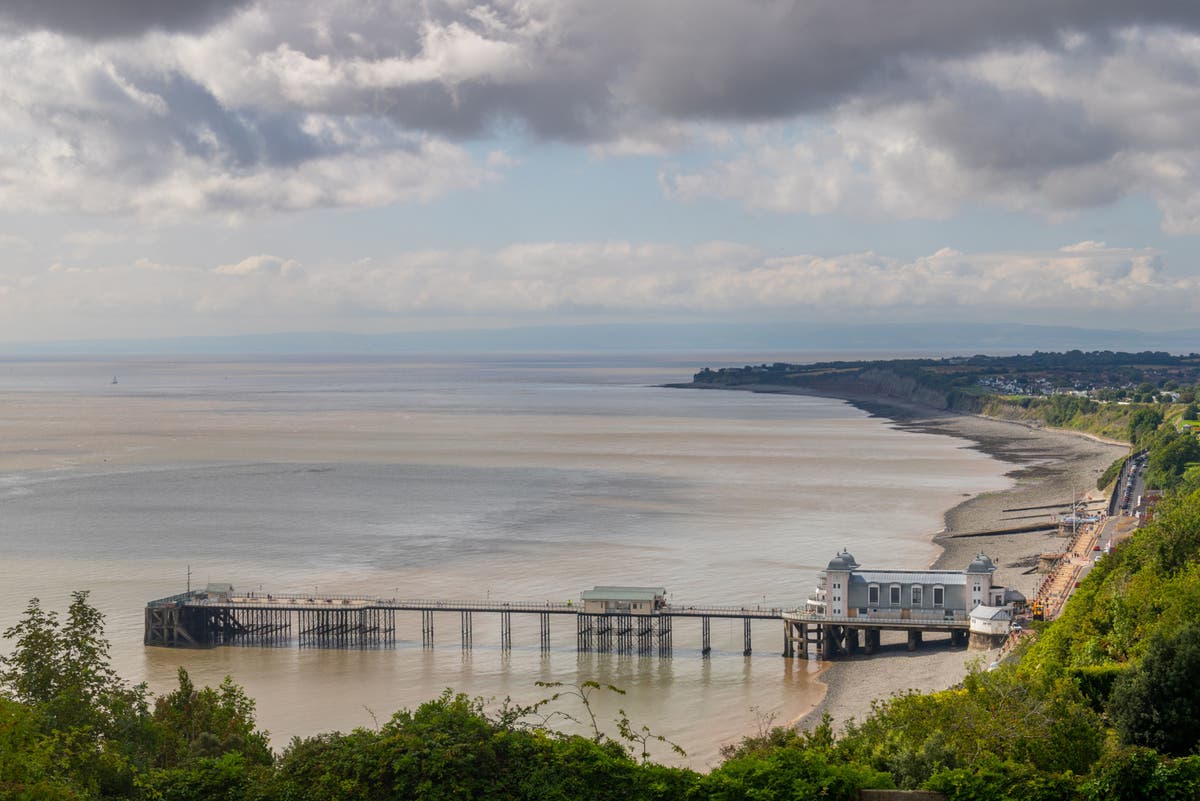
114, 381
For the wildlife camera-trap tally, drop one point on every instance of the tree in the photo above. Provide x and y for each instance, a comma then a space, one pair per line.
1143, 423
96, 726
1192, 411
63, 669
1168, 461
194, 723
1157, 703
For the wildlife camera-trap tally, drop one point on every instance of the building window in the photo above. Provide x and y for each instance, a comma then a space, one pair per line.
939, 596
916, 595
894, 595
873, 595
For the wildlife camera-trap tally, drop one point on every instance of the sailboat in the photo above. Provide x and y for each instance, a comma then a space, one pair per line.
114, 381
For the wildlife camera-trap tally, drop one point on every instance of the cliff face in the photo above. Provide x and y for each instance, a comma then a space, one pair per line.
888, 384
872, 381
884, 384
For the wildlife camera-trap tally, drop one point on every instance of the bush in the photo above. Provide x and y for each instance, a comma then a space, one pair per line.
1005, 781
1139, 774
1096, 682
1156, 704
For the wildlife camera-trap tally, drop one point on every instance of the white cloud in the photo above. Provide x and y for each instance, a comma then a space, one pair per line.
717, 278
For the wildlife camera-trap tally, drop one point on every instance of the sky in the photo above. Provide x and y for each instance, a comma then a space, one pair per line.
204, 167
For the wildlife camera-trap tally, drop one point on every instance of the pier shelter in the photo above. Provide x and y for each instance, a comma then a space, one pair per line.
624, 600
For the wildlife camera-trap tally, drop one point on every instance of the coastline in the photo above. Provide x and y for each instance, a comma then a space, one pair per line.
1048, 467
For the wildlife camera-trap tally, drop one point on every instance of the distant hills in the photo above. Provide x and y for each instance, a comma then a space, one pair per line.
941, 338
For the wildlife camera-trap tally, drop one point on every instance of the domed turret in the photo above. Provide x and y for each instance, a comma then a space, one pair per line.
843, 561
981, 564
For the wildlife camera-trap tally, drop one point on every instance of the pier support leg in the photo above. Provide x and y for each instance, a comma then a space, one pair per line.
870, 641
583, 633
851, 641
830, 642
506, 631
705, 636
746, 650
914, 639
624, 634
645, 635
664, 636
544, 630
466, 631
426, 628
604, 633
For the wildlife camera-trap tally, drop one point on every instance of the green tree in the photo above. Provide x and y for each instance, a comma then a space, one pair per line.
192, 723
95, 726
1143, 423
1157, 703
28, 764
789, 773
1039, 719
63, 669
1168, 461
1140, 774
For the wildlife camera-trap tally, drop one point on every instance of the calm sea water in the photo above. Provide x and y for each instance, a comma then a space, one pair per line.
522, 479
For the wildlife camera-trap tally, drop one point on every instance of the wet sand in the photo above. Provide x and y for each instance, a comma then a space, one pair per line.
1049, 468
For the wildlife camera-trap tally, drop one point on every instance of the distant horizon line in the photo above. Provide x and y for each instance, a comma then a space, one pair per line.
635, 337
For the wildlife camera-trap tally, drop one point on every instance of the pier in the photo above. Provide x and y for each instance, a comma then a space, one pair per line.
208, 618
811, 634
623, 620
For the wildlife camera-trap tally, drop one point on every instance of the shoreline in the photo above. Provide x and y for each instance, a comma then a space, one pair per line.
1047, 468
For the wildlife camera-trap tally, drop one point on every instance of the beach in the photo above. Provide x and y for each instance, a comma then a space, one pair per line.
1049, 468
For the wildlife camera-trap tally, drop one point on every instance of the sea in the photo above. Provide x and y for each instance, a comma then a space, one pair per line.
520, 477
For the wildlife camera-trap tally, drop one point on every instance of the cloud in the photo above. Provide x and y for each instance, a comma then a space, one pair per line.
14, 242
541, 280
1050, 133
1046, 106
103, 135
92, 19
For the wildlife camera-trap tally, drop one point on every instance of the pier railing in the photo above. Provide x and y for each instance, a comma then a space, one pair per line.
873, 620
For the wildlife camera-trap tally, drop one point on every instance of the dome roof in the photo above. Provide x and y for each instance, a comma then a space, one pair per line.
981, 564
843, 561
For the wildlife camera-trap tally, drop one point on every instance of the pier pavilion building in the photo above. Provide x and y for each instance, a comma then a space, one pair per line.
850, 600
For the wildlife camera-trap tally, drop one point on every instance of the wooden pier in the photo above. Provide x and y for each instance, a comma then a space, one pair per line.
200, 619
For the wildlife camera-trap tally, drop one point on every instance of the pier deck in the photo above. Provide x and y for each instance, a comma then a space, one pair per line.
198, 619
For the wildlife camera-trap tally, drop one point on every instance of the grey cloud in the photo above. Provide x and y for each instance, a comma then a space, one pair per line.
106, 19
1022, 132
766, 60
591, 71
